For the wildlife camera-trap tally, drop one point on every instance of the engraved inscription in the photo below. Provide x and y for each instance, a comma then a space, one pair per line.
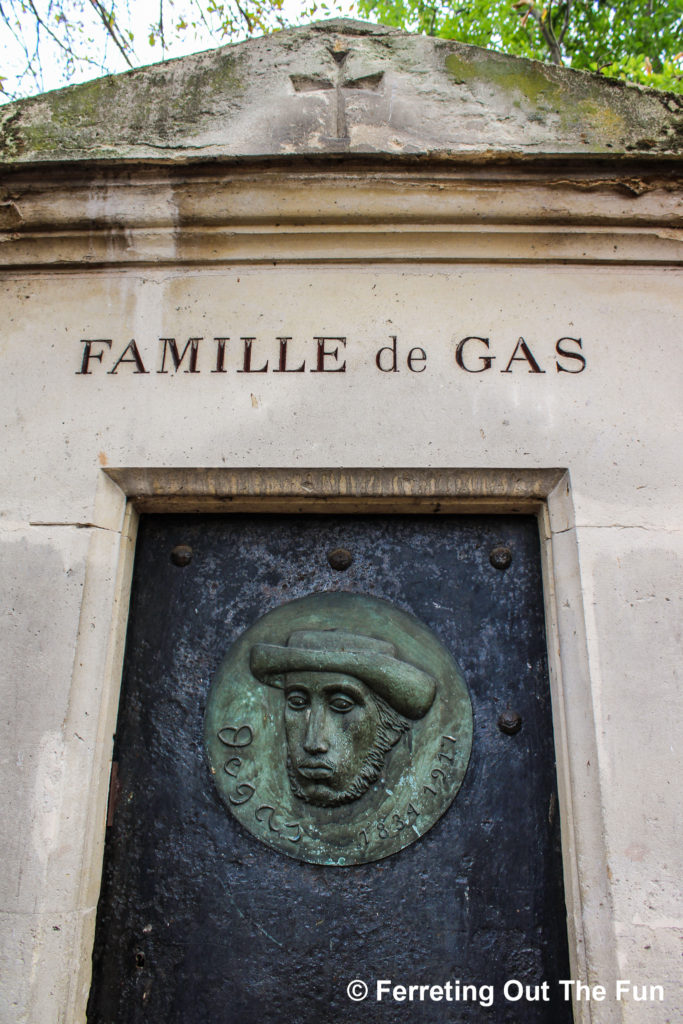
232, 766
236, 736
290, 353
299, 832
396, 825
242, 794
270, 818
446, 755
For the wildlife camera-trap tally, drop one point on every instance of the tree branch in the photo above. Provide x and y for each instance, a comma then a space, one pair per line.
39, 21
545, 25
203, 18
250, 26
565, 24
17, 35
109, 26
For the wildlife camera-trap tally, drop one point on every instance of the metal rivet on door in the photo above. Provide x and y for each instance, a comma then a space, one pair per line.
181, 555
340, 559
510, 722
500, 557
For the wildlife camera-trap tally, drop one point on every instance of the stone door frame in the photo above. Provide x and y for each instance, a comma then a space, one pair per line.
124, 493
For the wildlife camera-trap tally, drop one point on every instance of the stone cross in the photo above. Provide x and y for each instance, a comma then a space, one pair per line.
315, 83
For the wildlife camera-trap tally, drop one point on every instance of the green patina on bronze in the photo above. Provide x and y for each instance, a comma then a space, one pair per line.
338, 729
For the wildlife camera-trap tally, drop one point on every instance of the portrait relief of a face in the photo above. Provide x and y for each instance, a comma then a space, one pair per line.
338, 728
338, 733
347, 700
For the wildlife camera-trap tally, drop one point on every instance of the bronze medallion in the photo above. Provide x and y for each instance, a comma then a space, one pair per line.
338, 729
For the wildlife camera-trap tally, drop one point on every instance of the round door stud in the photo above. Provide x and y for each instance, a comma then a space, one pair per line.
500, 557
340, 559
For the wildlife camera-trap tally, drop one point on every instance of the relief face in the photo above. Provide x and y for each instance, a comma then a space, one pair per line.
338, 729
335, 740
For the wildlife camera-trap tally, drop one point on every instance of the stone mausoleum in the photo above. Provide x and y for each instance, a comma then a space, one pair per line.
341, 540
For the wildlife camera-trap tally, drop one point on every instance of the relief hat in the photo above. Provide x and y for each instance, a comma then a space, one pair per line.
407, 689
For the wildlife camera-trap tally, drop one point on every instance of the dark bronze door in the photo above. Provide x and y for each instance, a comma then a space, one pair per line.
209, 915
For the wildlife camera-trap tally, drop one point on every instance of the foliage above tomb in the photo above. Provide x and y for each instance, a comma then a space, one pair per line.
634, 40
49, 43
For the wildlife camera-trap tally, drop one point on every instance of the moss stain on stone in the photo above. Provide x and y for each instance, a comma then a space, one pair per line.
529, 86
603, 120
220, 79
528, 81
140, 104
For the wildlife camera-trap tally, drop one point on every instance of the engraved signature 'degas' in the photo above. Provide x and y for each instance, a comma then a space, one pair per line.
241, 736
236, 735
271, 817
